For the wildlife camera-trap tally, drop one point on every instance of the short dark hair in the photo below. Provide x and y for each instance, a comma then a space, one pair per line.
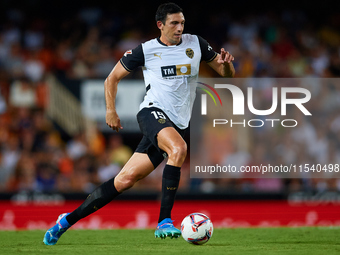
165, 9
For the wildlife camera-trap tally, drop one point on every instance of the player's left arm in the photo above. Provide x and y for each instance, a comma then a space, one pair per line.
223, 64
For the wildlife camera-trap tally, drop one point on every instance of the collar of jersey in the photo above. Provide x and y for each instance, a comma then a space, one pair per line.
159, 40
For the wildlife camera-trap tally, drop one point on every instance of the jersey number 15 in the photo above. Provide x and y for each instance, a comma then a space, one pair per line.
158, 115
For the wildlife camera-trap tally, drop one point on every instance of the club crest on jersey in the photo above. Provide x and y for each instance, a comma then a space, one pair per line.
189, 52
127, 52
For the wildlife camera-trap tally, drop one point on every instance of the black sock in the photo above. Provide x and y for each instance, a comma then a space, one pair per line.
170, 181
101, 196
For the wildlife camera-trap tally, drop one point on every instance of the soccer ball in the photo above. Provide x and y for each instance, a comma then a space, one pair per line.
196, 228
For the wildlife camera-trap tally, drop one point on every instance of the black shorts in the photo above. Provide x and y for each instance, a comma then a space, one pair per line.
151, 121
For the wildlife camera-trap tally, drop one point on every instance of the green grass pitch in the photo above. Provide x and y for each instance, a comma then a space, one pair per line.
243, 241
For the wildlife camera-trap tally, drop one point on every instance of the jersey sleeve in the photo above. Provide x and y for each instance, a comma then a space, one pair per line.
133, 58
208, 54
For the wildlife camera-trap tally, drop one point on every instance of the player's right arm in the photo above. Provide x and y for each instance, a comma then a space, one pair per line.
130, 61
110, 90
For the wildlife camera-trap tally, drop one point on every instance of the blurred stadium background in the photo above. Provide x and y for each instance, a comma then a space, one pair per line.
55, 147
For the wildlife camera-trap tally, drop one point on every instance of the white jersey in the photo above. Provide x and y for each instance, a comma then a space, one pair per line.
170, 74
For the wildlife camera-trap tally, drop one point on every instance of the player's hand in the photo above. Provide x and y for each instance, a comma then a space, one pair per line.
225, 57
113, 120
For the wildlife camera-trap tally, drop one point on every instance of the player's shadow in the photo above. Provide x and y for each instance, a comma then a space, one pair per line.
301, 242
217, 244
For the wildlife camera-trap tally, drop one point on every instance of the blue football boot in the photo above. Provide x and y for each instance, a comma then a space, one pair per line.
166, 228
53, 234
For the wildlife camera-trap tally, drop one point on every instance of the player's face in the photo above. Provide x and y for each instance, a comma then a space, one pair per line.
171, 31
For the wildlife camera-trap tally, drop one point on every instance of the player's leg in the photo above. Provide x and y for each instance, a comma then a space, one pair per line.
138, 167
164, 139
174, 145
170, 141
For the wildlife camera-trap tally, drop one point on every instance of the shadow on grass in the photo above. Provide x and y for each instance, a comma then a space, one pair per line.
302, 242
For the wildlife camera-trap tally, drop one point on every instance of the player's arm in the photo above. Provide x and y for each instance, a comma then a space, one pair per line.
130, 61
110, 90
223, 64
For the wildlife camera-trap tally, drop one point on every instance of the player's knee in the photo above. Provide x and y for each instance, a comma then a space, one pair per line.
127, 181
178, 153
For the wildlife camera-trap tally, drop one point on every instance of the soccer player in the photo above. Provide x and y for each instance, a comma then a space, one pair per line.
170, 68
